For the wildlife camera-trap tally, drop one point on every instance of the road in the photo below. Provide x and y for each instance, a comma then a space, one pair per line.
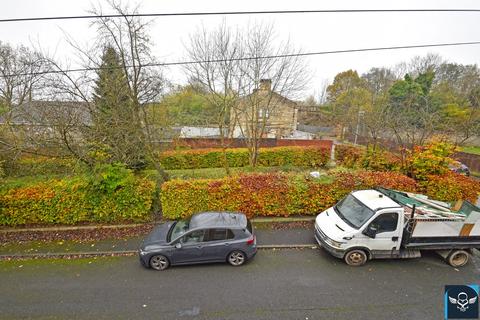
277, 284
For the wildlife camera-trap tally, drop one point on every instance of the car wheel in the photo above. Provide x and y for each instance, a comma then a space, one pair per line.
356, 258
159, 262
236, 258
458, 258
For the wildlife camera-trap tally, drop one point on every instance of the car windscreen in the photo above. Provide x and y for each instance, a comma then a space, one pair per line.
177, 230
353, 212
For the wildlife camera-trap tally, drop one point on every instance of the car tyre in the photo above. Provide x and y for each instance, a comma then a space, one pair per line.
356, 258
458, 258
236, 258
159, 262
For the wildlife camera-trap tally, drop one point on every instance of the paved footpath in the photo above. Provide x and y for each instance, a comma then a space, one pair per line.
264, 237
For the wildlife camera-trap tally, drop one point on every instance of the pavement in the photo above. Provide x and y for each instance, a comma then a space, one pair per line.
276, 284
265, 238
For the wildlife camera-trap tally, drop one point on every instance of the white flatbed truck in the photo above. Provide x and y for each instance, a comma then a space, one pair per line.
382, 223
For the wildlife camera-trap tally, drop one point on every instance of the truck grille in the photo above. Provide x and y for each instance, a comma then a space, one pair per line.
320, 233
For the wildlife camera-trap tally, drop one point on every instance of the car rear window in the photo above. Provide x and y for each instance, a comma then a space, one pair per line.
249, 226
216, 234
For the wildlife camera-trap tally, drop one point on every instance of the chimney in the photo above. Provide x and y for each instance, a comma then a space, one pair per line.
265, 85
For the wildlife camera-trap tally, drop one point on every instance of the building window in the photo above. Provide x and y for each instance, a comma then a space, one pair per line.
263, 113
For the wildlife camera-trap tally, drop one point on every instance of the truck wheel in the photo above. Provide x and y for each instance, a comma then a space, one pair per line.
356, 258
458, 258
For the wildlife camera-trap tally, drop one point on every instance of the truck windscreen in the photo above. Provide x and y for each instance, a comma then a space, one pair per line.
353, 212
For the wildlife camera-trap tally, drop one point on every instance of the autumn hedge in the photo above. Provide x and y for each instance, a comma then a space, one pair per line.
271, 194
309, 156
72, 201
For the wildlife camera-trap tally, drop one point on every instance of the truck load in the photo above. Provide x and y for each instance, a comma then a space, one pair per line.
382, 223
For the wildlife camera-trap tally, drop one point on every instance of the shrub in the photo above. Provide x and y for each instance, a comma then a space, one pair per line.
376, 160
451, 186
271, 194
348, 156
433, 159
380, 160
40, 165
238, 157
71, 201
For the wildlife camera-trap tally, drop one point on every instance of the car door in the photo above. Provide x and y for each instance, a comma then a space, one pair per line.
217, 244
385, 239
191, 247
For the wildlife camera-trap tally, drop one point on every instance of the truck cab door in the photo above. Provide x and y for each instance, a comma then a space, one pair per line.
382, 235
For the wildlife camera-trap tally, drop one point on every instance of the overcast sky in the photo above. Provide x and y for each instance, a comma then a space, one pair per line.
310, 32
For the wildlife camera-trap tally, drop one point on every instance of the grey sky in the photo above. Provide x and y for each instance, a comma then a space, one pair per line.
310, 32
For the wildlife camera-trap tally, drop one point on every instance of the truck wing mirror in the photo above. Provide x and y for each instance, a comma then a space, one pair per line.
370, 231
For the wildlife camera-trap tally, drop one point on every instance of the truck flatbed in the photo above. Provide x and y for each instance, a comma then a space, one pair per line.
436, 224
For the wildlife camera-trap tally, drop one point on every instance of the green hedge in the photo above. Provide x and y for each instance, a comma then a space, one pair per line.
33, 166
238, 157
271, 194
70, 201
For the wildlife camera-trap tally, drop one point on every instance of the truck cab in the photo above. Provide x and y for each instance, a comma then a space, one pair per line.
373, 224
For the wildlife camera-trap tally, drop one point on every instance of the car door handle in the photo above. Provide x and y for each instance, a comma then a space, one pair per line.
394, 238
226, 244
199, 247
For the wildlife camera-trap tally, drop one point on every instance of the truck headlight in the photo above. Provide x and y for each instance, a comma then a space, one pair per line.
336, 243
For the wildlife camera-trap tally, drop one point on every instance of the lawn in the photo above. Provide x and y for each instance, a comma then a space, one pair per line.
186, 174
471, 149
214, 173
18, 182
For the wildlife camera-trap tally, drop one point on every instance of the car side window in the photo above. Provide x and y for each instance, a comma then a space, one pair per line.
193, 237
385, 222
216, 234
230, 234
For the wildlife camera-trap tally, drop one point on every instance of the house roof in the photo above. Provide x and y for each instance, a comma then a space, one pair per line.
48, 113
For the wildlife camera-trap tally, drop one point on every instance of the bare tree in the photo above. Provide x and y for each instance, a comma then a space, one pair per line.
272, 76
216, 67
21, 79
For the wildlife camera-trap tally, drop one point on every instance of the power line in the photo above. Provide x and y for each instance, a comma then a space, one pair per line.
225, 13
176, 63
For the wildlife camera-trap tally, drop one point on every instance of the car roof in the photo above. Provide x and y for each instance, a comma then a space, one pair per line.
218, 220
374, 199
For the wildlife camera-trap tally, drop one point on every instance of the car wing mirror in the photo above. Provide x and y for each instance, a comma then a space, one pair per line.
178, 245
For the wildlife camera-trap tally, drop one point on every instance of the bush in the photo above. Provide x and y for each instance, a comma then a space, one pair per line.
348, 156
271, 194
75, 200
451, 186
356, 157
380, 160
39, 165
238, 157
433, 159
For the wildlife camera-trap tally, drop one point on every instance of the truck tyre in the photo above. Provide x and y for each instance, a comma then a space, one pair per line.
356, 258
457, 258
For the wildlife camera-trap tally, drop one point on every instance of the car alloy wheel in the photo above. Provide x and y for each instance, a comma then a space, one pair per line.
159, 262
236, 258
356, 258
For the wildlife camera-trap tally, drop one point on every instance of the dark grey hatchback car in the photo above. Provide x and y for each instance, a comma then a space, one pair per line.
206, 237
